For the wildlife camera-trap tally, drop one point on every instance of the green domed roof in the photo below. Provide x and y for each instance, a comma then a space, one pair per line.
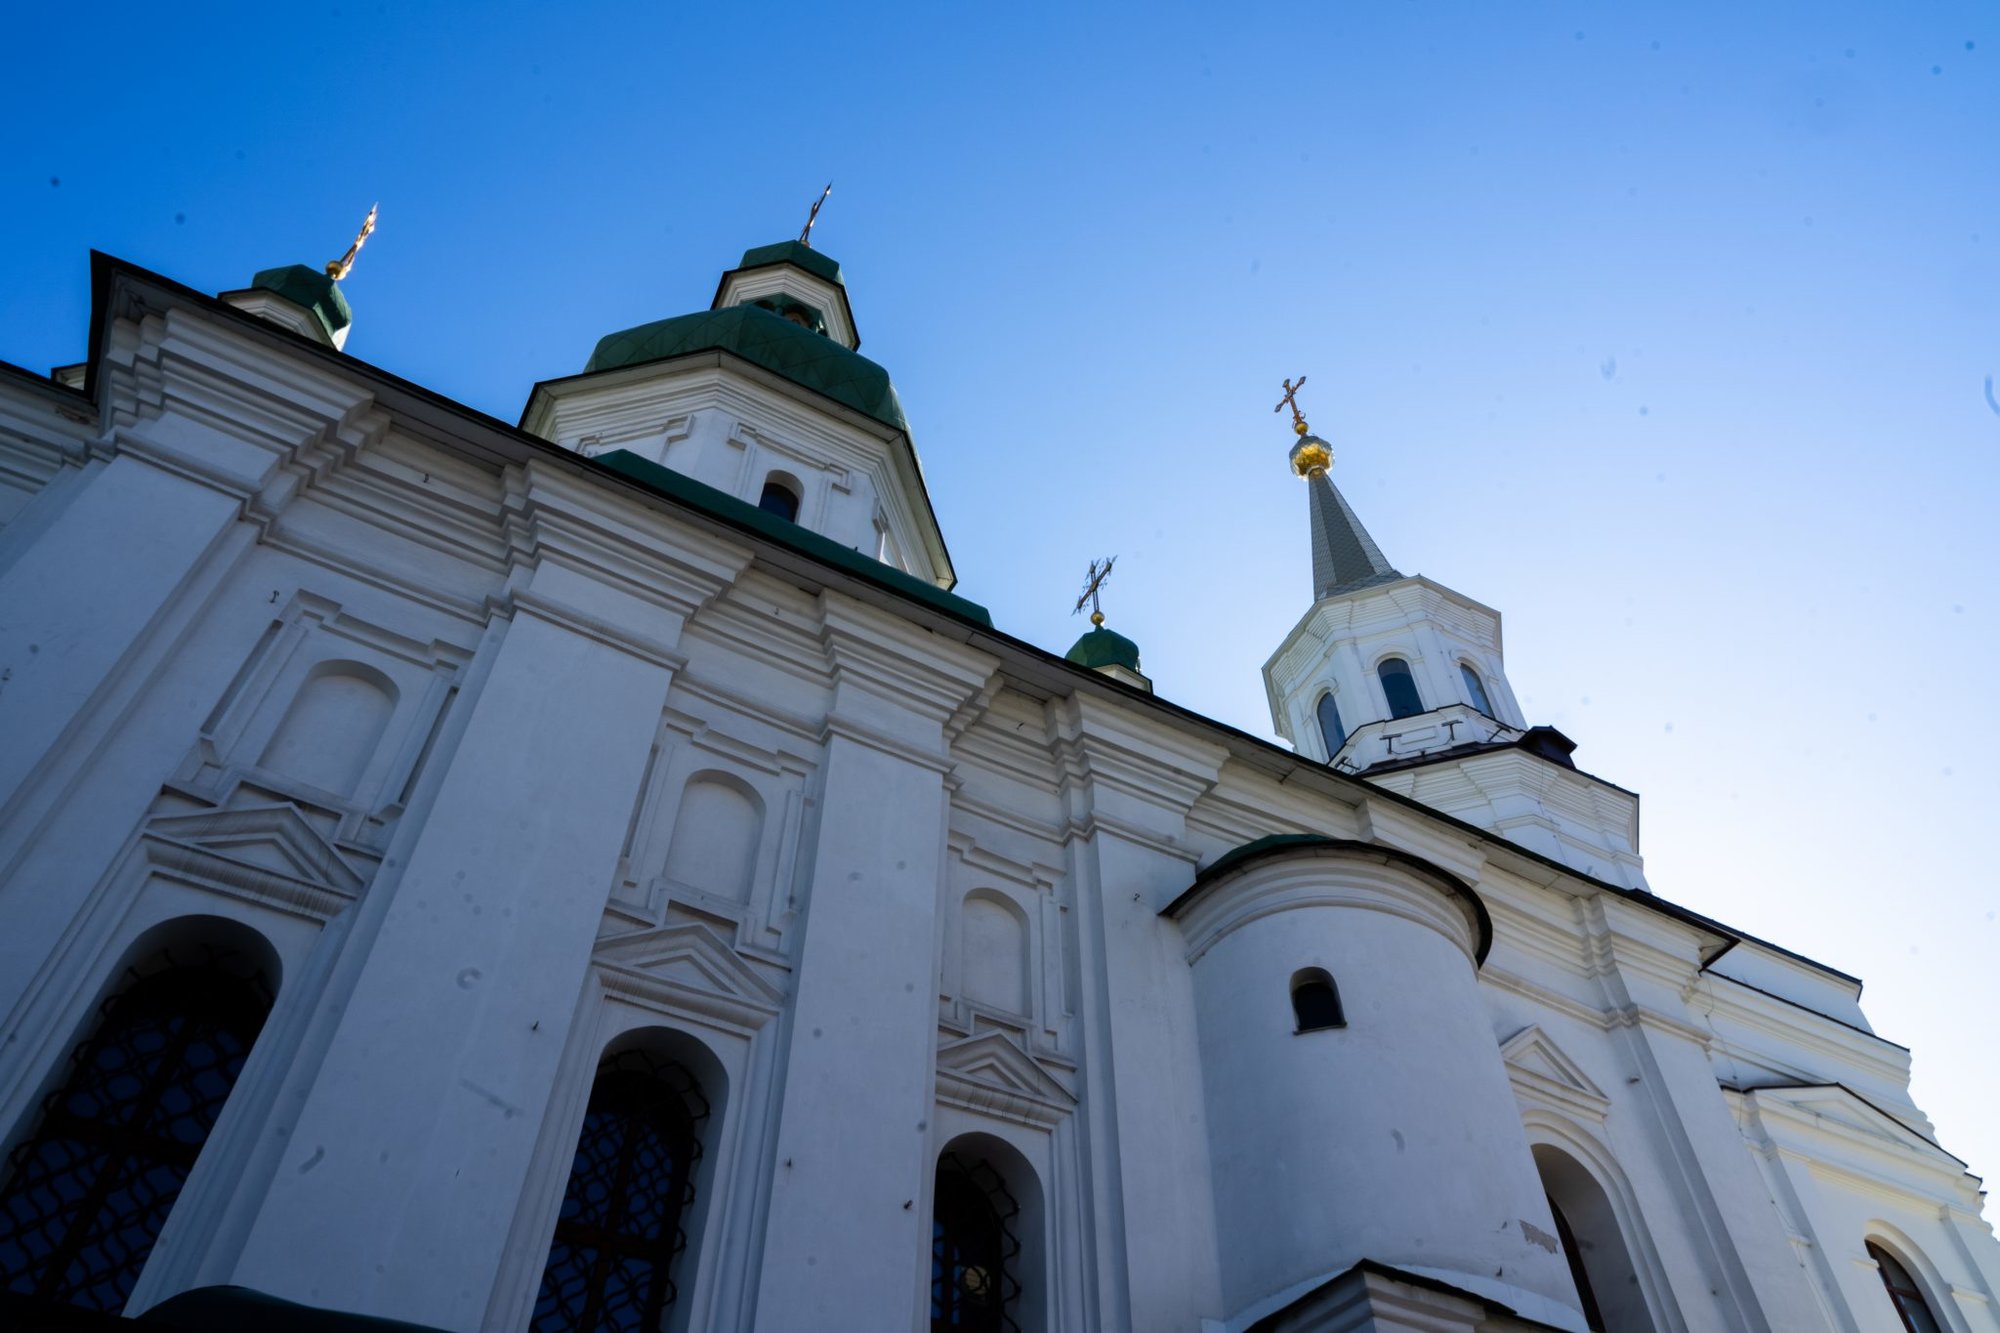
310, 288
1101, 648
794, 252
762, 338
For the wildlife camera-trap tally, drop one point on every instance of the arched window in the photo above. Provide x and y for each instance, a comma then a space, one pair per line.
1330, 729
1600, 1261
780, 497
1904, 1293
86, 1194
1573, 1253
1399, 687
1316, 1001
1475, 688
975, 1278
623, 1212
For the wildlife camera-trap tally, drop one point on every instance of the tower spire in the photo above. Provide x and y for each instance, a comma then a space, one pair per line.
1344, 556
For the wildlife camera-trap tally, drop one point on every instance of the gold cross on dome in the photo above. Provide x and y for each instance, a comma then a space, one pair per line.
339, 268
1100, 570
1291, 400
805, 237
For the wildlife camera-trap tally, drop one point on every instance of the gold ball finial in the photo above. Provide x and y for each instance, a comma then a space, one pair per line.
1096, 618
1311, 457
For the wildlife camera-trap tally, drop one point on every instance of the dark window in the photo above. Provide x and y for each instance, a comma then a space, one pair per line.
1329, 726
1400, 688
87, 1193
610, 1266
779, 499
1475, 688
1577, 1274
974, 1252
1315, 1001
1904, 1293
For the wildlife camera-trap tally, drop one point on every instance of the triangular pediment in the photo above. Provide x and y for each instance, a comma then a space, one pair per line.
991, 1073
1541, 1070
275, 839
693, 965
1836, 1105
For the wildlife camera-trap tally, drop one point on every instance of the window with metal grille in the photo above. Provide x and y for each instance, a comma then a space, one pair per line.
624, 1212
1904, 1293
87, 1192
1399, 687
975, 1255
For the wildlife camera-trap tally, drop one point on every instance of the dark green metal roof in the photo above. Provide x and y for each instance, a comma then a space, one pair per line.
1102, 648
763, 339
312, 289
794, 252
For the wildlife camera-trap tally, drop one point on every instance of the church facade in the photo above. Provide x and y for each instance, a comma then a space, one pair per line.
596, 873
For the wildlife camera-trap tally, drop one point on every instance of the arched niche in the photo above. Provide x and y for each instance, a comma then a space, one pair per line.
333, 726
993, 952
981, 1180
1594, 1244
716, 833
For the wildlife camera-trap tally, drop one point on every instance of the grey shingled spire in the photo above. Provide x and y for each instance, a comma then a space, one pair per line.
1345, 557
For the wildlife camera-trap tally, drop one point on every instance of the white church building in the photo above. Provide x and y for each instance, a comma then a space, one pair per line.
594, 873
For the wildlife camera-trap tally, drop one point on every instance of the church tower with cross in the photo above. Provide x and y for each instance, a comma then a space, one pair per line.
1402, 680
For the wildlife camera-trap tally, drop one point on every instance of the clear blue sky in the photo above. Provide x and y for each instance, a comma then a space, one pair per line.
1665, 330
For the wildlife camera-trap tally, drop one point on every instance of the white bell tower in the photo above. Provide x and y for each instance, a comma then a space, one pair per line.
1403, 681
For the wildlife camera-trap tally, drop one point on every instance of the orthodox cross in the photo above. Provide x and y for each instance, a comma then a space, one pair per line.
805, 237
1290, 400
1100, 570
338, 268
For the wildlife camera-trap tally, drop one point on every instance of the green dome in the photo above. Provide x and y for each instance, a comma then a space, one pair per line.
1101, 648
310, 288
762, 338
797, 253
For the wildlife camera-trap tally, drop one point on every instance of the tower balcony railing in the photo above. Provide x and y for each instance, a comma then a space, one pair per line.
1395, 741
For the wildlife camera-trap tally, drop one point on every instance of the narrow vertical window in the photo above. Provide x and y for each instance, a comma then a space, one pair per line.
86, 1194
1904, 1293
780, 499
1315, 1001
624, 1211
1399, 688
1330, 729
1475, 688
974, 1252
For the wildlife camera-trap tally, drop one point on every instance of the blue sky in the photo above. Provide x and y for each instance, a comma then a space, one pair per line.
1666, 330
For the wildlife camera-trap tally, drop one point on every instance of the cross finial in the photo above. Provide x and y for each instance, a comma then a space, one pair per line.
1100, 570
805, 237
1290, 400
338, 268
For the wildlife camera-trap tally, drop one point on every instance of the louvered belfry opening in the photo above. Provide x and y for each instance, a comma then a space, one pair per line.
975, 1254
624, 1213
86, 1193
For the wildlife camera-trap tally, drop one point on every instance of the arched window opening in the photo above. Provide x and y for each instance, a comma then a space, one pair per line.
975, 1253
1475, 688
1330, 729
1904, 1293
1607, 1282
85, 1195
1316, 1001
780, 497
1573, 1253
625, 1209
1399, 687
